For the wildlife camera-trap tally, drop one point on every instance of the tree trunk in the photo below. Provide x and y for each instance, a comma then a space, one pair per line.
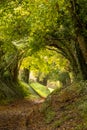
81, 47
81, 62
25, 75
44, 81
15, 72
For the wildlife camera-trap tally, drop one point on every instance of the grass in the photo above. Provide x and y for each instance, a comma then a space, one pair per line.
31, 93
10, 91
42, 90
35, 90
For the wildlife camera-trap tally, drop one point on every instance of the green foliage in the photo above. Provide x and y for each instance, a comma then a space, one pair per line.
31, 93
79, 127
59, 122
82, 107
49, 115
41, 23
28, 26
45, 63
10, 91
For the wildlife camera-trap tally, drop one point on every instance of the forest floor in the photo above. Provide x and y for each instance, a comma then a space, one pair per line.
64, 109
15, 116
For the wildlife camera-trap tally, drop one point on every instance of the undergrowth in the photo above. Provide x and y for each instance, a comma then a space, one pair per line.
73, 98
10, 91
49, 115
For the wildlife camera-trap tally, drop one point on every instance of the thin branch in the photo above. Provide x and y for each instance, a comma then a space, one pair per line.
60, 52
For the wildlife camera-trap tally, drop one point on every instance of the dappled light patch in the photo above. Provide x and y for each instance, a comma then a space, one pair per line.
42, 90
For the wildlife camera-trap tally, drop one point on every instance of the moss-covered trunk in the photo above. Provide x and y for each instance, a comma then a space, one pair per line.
80, 37
81, 62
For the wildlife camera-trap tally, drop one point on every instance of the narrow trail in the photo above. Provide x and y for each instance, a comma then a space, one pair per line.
16, 115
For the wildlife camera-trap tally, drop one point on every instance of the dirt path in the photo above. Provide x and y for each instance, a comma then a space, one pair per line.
16, 115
